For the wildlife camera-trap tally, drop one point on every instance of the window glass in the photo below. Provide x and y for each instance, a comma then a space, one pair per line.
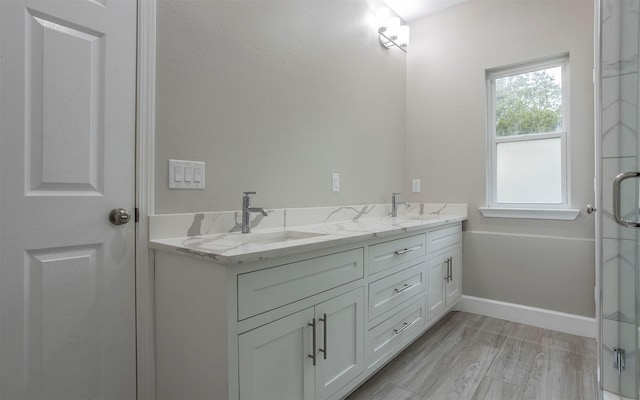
530, 102
529, 171
527, 136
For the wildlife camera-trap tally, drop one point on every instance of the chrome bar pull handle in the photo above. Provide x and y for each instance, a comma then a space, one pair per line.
324, 335
313, 355
446, 275
617, 183
404, 287
404, 326
450, 269
403, 251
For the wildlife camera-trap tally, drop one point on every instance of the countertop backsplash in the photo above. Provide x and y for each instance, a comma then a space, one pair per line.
165, 226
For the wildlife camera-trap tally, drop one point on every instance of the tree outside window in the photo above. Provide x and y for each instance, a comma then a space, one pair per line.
529, 103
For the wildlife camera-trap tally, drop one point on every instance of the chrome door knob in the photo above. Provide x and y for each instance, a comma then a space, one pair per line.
590, 209
119, 216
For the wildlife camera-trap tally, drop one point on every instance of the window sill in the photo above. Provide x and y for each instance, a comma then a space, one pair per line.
565, 214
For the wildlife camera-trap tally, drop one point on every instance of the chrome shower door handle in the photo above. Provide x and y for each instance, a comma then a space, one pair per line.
617, 183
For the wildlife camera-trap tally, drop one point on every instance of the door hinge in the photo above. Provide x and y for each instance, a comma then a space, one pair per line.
619, 359
137, 215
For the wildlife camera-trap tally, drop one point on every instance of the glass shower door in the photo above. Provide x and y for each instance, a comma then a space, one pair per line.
617, 161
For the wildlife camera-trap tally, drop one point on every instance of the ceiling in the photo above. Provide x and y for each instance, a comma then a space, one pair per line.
413, 9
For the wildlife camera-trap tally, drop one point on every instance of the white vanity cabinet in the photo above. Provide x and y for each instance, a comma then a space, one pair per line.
444, 267
310, 354
396, 301
247, 330
313, 325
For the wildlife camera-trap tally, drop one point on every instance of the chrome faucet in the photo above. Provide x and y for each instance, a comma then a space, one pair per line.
394, 205
246, 209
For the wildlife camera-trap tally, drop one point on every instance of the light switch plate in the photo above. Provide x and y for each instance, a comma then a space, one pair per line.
186, 174
335, 182
415, 185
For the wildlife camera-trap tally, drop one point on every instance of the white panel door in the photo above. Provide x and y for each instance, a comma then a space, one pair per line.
67, 130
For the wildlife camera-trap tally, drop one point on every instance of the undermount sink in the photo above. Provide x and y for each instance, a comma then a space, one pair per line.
272, 237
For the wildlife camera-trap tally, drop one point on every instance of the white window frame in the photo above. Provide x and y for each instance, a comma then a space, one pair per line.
528, 210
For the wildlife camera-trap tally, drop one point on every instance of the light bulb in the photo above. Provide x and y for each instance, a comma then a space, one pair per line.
382, 17
392, 27
403, 35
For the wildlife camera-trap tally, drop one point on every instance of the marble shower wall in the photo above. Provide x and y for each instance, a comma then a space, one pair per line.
619, 128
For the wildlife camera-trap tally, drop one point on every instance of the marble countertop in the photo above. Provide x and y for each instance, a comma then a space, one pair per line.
261, 244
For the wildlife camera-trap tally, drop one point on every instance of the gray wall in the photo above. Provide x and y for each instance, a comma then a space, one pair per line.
547, 264
275, 96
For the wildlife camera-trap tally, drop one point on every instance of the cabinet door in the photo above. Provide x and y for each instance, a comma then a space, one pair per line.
341, 352
437, 269
453, 288
274, 362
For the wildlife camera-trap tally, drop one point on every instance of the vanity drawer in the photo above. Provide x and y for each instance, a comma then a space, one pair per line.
390, 335
267, 289
445, 237
389, 254
388, 292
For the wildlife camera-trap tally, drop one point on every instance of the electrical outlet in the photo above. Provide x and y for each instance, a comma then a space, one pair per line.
186, 174
335, 182
415, 185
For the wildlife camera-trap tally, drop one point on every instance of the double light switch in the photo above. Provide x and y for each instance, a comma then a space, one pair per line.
186, 174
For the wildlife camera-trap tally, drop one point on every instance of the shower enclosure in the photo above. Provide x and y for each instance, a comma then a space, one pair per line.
617, 226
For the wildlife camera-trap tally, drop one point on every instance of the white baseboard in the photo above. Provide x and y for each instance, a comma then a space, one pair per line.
540, 317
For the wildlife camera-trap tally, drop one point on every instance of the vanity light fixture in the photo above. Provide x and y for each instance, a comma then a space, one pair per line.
390, 32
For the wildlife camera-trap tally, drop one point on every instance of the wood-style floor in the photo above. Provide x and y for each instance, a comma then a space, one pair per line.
468, 356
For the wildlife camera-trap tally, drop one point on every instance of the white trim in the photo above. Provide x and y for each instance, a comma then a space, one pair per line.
146, 81
566, 214
543, 318
564, 134
529, 137
528, 66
